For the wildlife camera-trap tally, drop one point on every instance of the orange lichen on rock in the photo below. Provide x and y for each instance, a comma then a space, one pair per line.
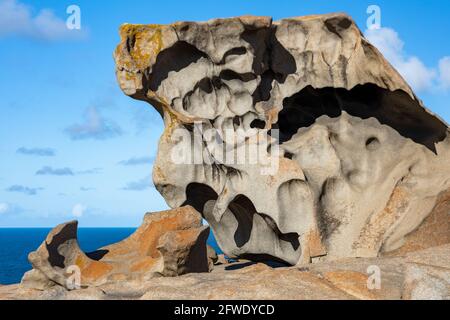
351, 282
144, 254
95, 270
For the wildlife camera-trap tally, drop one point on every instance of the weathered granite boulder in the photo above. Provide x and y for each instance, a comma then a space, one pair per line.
168, 243
295, 139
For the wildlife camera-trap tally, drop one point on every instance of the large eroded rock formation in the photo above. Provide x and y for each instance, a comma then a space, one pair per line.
360, 161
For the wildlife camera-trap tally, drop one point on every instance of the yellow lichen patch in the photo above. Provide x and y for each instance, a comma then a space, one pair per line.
144, 43
158, 174
172, 122
170, 117
152, 96
146, 49
129, 76
129, 29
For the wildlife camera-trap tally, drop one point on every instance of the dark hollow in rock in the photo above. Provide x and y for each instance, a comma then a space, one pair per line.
363, 101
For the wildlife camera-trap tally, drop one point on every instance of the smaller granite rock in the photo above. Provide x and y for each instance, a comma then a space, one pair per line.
184, 251
168, 243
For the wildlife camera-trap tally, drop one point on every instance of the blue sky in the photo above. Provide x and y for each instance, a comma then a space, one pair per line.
73, 146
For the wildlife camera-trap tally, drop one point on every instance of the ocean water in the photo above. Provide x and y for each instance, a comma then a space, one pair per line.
17, 243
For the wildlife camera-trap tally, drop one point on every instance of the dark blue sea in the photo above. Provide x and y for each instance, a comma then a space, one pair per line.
17, 243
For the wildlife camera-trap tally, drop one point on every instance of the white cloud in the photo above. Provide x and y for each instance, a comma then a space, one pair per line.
444, 72
78, 210
387, 41
4, 208
415, 72
140, 185
95, 126
9, 209
17, 19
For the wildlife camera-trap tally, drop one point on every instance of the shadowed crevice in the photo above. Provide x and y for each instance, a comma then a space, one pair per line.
66, 235
243, 210
393, 108
175, 58
272, 61
258, 258
97, 255
197, 194
291, 237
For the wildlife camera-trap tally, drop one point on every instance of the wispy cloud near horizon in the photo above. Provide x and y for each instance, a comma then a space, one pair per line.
24, 189
47, 170
50, 171
134, 161
94, 127
139, 185
40, 152
90, 171
86, 189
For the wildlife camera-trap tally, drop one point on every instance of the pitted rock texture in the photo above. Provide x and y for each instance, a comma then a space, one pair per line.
168, 243
361, 161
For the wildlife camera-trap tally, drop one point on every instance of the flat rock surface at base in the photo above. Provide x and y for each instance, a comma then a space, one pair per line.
417, 275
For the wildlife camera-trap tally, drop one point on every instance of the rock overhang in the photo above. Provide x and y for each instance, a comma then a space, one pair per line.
266, 51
